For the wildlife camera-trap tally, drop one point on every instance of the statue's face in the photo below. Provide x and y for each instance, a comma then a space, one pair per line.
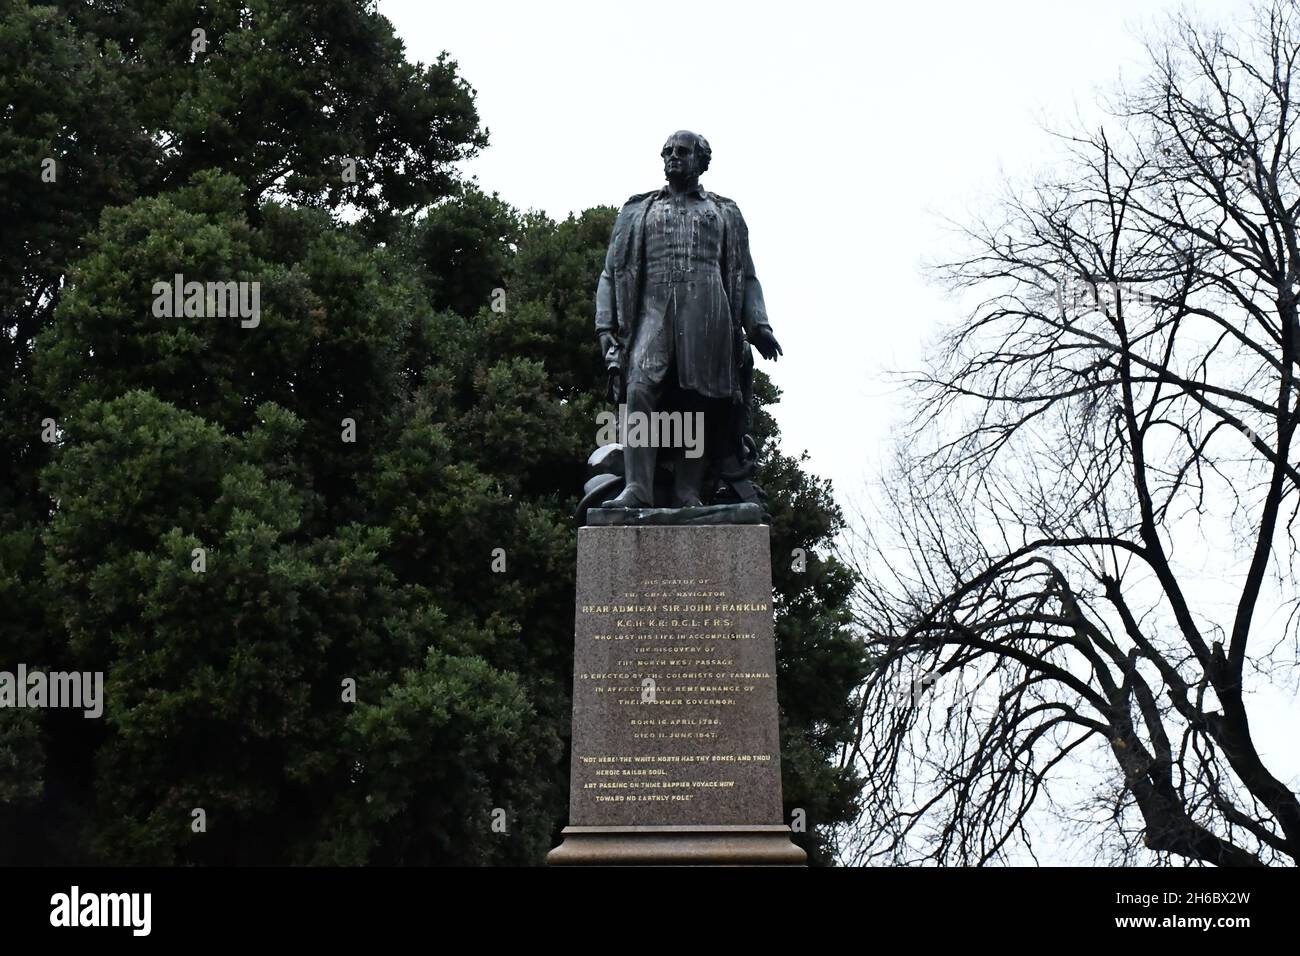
680, 158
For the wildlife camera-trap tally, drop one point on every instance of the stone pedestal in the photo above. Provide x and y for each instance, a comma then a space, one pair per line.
675, 752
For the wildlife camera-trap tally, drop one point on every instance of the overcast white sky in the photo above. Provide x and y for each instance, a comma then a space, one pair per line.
846, 132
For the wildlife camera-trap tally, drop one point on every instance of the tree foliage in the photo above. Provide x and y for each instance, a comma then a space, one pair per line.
202, 531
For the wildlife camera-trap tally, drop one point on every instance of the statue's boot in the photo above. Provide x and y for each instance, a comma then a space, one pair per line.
688, 477
639, 469
630, 497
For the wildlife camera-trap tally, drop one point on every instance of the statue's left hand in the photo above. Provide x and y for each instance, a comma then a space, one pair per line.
766, 343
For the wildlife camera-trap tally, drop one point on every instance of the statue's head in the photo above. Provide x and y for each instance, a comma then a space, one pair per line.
686, 155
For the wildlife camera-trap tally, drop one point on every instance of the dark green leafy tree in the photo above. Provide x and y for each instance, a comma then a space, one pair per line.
225, 683
315, 103
430, 560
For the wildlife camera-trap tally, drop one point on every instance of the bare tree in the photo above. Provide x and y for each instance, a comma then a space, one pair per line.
1090, 568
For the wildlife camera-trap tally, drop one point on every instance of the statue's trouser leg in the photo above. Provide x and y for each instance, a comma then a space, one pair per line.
710, 432
639, 461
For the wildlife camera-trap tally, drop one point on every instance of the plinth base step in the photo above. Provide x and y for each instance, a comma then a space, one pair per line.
766, 845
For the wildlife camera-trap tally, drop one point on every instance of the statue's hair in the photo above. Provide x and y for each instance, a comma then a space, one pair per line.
702, 149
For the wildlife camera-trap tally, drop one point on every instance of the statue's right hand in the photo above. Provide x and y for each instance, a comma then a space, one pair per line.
607, 342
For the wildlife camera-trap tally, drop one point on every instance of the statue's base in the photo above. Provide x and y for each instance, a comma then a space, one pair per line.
677, 846
742, 513
676, 751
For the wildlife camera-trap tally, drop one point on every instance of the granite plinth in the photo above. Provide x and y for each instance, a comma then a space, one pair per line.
676, 756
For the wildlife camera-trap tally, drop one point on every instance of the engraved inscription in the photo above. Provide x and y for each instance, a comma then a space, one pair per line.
675, 686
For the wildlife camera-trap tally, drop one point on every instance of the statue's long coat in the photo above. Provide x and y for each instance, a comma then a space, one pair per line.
619, 294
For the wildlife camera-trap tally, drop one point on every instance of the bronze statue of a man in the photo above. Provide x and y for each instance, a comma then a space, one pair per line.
677, 307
